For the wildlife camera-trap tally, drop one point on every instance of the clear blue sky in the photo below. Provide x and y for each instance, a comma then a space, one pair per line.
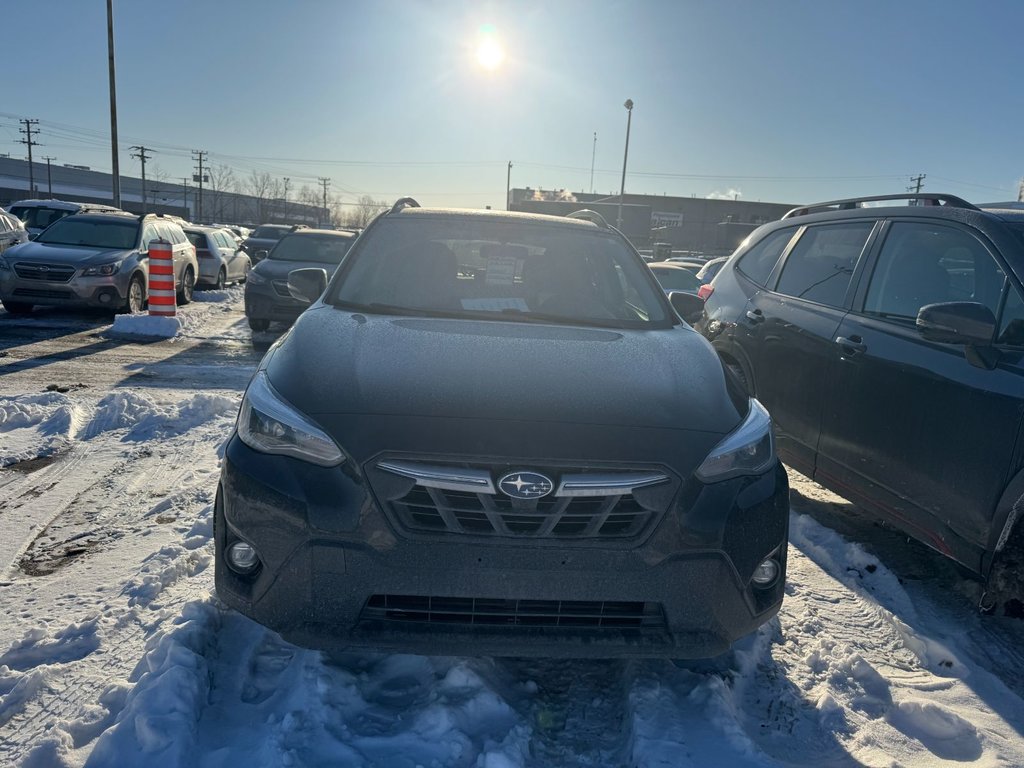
785, 101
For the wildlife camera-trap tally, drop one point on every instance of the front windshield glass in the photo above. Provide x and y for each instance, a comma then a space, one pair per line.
325, 249
120, 235
510, 270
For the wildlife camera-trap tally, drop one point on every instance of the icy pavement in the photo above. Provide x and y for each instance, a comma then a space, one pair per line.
115, 652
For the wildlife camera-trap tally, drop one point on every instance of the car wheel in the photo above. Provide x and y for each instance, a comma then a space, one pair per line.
188, 286
17, 307
245, 274
740, 373
135, 301
258, 325
222, 279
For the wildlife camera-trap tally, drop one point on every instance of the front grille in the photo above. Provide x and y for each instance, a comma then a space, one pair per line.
481, 611
34, 293
433, 509
465, 499
52, 273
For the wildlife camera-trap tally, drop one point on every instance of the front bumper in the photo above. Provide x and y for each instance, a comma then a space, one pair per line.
329, 555
104, 291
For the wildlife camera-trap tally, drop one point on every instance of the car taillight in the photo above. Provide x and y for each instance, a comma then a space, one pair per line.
705, 291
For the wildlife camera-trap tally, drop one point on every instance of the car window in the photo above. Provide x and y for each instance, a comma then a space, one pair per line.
119, 234
269, 233
506, 270
676, 279
224, 240
760, 260
1011, 326
149, 234
923, 263
326, 249
821, 263
38, 217
196, 238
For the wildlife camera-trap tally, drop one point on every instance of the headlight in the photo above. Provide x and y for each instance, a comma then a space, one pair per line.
255, 278
747, 450
101, 269
4, 266
268, 424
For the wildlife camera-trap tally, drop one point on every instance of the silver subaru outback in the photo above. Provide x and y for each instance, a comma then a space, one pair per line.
94, 260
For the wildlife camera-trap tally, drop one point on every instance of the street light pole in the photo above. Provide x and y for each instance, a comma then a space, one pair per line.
508, 187
622, 189
115, 168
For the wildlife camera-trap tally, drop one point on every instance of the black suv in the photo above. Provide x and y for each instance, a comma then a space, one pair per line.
887, 343
490, 433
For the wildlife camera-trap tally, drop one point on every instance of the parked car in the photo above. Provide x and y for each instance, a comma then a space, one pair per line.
39, 214
93, 260
888, 345
491, 434
262, 239
221, 259
12, 231
267, 297
693, 266
675, 277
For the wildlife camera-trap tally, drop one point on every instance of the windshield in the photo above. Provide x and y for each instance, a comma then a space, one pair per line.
120, 235
675, 279
325, 249
269, 233
501, 269
38, 218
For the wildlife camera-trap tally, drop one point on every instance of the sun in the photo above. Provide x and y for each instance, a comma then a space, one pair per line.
489, 53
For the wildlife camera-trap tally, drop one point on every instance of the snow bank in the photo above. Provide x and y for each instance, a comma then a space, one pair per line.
32, 426
144, 326
149, 419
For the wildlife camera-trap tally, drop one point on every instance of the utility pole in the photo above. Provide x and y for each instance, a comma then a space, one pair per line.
917, 183
625, 156
115, 167
325, 182
199, 156
593, 156
287, 183
184, 197
140, 152
49, 180
508, 187
29, 132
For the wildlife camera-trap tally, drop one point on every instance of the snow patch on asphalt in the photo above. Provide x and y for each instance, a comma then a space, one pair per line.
144, 326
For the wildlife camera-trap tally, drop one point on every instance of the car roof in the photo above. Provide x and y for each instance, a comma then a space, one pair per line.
61, 205
103, 216
310, 231
667, 265
491, 215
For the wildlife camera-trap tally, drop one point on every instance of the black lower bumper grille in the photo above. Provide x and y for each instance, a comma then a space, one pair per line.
479, 611
34, 293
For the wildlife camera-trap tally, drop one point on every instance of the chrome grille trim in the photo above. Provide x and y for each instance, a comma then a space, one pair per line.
445, 478
607, 484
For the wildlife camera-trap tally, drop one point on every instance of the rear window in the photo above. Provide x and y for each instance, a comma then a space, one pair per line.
672, 279
325, 249
760, 260
38, 218
269, 233
198, 239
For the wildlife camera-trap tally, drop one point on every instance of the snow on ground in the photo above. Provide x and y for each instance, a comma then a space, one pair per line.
115, 652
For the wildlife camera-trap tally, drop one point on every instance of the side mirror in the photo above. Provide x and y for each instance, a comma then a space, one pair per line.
307, 284
687, 306
260, 254
957, 322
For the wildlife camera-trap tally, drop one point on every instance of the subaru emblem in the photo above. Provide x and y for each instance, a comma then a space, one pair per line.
525, 485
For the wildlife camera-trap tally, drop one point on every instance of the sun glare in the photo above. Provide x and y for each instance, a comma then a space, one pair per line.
490, 54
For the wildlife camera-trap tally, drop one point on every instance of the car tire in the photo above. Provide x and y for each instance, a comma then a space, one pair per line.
258, 324
135, 297
17, 307
222, 279
245, 274
188, 286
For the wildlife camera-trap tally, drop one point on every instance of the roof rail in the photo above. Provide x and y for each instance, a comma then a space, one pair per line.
404, 202
586, 214
925, 198
297, 227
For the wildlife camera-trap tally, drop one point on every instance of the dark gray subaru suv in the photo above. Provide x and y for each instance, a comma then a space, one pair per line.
491, 434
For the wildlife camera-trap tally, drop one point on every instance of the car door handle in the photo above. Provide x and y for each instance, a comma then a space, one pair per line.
755, 315
852, 345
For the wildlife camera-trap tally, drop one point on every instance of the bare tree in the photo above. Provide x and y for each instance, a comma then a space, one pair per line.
157, 176
258, 185
222, 182
363, 211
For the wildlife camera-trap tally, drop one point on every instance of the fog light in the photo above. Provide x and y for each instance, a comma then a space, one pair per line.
104, 298
766, 573
243, 557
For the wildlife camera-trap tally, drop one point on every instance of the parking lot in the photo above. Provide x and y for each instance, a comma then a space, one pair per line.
117, 649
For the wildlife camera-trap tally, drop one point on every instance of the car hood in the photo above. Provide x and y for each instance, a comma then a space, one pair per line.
64, 254
278, 270
339, 362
